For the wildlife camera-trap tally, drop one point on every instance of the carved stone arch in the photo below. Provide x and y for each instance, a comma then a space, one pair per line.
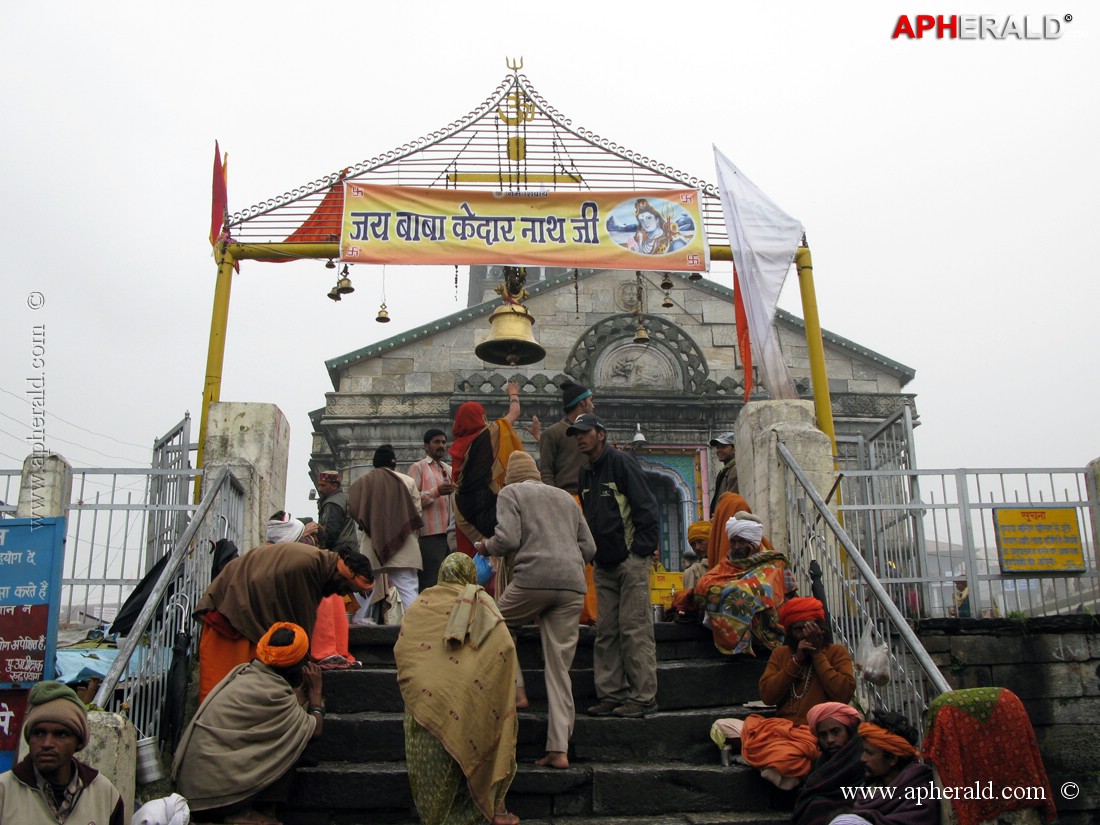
605, 355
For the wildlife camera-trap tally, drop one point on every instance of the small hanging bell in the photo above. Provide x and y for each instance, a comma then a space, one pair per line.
667, 302
383, 317
334, 294
666, 282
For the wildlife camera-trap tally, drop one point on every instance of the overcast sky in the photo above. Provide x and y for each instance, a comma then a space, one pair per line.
949, 190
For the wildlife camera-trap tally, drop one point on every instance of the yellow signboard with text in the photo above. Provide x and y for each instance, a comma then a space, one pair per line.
656, 230
1038, 540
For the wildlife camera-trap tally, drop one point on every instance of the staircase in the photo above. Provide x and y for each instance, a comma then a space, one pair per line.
662, 769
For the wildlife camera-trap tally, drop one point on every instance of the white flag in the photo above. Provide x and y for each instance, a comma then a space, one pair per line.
763, 239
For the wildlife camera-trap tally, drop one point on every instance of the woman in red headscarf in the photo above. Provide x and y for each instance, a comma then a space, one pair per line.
479, 460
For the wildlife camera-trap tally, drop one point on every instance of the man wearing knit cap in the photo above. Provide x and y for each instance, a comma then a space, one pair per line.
621, 512
50, 785
545, 529
559, 457
726, 482
560, 461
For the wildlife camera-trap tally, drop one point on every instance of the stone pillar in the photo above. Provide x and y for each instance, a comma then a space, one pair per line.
253, 440
46, 486
760, 471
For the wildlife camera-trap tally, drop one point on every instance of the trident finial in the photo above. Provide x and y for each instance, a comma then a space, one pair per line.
512, 64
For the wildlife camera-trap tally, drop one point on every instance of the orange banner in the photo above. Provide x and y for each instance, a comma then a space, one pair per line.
658, 229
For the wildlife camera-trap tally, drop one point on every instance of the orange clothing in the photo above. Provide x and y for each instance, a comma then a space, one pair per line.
330, 634
830, 679
219, 655
777, 743
718, 545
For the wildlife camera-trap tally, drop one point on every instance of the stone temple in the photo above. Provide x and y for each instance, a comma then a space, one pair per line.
683, 387
678, 389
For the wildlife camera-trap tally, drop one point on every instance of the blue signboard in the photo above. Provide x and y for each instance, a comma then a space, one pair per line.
31, 554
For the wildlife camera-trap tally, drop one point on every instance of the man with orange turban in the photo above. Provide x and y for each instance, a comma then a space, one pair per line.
891, 759
247, 734
698, 536
805, 671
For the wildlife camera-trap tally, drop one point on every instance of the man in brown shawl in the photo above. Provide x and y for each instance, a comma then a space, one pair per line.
281, 582
386, 506
246, 736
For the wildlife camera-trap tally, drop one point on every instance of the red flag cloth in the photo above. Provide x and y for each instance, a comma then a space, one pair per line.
744, 346
324, 225
219, 200
983, 735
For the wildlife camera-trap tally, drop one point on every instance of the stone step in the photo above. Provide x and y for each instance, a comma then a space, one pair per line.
373, 645
688, 683
350, 793
667, 736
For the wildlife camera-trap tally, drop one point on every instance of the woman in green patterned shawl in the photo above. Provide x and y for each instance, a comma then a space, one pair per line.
456, 667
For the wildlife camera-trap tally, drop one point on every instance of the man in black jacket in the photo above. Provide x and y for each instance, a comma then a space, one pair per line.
622, 514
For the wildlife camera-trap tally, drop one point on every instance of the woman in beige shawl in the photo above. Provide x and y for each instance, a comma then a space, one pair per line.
456, 667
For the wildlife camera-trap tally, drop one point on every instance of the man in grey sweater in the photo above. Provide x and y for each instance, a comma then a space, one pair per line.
546, 530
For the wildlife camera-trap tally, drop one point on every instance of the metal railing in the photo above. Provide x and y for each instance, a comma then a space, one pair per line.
9, 492
137, 683
857, 601
921, 530
106, 548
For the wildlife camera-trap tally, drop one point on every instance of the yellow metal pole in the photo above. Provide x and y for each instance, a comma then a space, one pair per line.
823, 405
215, 352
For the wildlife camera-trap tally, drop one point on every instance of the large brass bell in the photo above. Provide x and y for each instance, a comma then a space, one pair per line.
511, 341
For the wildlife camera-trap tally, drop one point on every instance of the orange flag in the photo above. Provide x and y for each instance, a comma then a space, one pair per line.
219, 200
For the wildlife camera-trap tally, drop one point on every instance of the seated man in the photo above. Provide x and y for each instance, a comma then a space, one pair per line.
801, 673
50, 785
696, 557
836, 726
248, 733
891, 760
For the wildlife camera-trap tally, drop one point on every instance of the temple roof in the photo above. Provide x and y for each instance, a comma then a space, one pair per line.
474, 153
340, 362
